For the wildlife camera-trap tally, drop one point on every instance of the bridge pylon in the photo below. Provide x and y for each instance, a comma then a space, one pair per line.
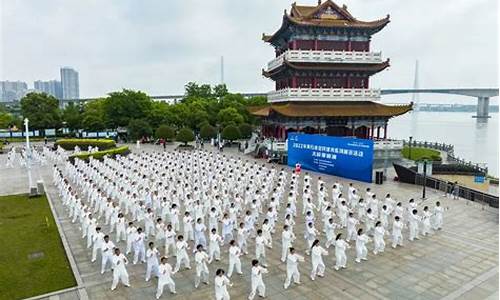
483, 108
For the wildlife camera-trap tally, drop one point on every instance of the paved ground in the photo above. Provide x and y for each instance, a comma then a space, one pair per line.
459, 262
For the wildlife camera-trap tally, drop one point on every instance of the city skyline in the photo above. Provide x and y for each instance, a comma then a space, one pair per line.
125, 45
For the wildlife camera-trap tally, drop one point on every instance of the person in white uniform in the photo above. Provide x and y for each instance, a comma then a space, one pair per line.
107, 253
151, 261
361, 250
182, 256
340, 257
318, 266
397, 235
437, 216
165, 278
378, 238
234, 258
119, 269
221, 283
258, 285
201, 259
292, 268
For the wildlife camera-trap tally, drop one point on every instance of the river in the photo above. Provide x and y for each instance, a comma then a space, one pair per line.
473, 140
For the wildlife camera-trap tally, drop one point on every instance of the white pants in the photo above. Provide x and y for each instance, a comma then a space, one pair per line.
119, 276
257, 287
105, 259
236, 263
340, 260
379, 245
151, 267
167, 248
161, 285
361, 253
201, 274
317, 268
397, 239
292, 274
214, 252
139, 254
182, 259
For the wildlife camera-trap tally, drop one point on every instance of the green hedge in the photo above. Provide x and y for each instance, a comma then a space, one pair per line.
418, 153
69, 144
100, 154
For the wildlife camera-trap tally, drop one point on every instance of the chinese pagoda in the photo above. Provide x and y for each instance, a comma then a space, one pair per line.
321, 72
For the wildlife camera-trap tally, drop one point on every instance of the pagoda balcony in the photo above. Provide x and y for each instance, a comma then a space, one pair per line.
315, 56
323, 94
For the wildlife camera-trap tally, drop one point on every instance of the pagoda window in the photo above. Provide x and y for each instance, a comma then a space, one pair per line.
305, 82
359, 82
305, 45
360, 46
332, 45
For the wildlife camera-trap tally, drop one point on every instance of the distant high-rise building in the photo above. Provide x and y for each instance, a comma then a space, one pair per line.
70, 83
51, 87
12, 90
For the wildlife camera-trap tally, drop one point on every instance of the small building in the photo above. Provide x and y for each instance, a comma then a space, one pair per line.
321, 72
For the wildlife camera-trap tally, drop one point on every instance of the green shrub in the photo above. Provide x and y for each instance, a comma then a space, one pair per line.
245, 130
185, 135
207, 131
100, 154
165, 132
231, 133
69, 144
418, 153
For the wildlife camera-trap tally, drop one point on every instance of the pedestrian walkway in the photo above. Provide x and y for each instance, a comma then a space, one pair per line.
458, 262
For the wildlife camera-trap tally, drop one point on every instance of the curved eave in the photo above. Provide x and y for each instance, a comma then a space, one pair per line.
370, 68
372, 26
332, 109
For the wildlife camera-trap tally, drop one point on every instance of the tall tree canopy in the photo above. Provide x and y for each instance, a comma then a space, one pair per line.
42, 110
121, 107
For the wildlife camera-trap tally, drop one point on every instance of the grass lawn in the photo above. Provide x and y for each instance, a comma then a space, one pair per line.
32, 257
421, 153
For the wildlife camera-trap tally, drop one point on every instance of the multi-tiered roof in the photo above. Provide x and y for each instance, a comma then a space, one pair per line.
321, 71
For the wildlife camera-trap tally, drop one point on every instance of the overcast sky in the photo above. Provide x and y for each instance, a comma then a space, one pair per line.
158, 46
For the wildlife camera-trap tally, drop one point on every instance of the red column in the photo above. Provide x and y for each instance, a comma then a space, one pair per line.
349, 46
315, 83
385, 131
315, 44
294, 82
294, 45
348, 82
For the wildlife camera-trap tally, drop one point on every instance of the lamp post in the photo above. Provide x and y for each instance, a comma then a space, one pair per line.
28, 154
425, 179
409, 148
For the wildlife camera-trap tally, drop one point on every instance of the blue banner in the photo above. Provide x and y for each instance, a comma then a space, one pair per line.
341, 156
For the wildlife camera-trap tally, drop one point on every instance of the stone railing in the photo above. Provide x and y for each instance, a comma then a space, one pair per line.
312, 56
318, 94
450, 152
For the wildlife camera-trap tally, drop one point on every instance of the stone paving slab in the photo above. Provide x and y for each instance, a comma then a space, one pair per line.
462, 257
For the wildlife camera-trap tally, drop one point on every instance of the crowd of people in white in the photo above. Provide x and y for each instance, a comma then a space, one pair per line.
169, 204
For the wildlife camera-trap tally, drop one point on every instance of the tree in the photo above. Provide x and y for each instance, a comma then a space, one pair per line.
42, 110
72, 116
193, 90
185, 135
228, 116
207, 131
122, 107
165, 132
7, 120
245, 130
220, 90
160, 113
139, 128
231, 133
93, 116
